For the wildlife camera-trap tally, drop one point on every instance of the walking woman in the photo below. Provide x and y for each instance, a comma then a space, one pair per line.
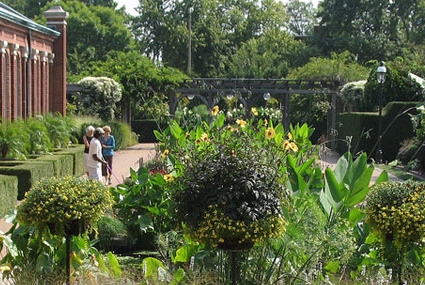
108, 147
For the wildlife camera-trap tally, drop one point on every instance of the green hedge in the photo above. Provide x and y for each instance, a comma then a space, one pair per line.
357, 124
144, 129
67, 161
8, 193
62, 164
28, 172
77, 155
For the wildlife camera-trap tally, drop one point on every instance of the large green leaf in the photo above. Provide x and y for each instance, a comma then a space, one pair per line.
151, 266
331, 197
348, 184
184, 253
114, 264
145, 223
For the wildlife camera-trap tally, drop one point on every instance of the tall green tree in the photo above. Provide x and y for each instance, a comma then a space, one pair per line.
93, 32
271, 55
371, 29
217, 30
145, 84
302, 17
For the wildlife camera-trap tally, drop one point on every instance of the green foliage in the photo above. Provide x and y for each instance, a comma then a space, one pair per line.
302, 17
39, 139
398, 86
217, 30
341, 67
143, 203
229, 179
13, 140
370, 29
411, 150
40, 134
145, 84
54, 204
93, 32
59, 129
347, 186
418, 122
396, 215
268, 56
110, 227
33, 259
28, 8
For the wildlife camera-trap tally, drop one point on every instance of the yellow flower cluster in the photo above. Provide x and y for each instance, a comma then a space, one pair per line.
165, 153
289, 144
58, 201
403, 220
241, 123
270, 133
217, 228
215, 110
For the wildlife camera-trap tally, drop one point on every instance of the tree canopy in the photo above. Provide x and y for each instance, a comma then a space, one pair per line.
237, 39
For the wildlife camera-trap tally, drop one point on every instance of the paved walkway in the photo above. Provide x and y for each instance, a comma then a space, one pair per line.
131, 157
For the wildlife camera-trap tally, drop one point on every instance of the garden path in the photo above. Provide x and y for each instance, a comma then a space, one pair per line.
131, 157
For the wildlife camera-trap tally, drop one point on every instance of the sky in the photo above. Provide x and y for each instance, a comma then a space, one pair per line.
131, 4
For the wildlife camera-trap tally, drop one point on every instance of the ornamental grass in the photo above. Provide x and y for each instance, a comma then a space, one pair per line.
58, 204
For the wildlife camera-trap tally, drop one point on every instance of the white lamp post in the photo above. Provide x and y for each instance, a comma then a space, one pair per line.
381, 72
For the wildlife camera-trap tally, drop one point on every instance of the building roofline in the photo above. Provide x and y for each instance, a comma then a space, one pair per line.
13, 16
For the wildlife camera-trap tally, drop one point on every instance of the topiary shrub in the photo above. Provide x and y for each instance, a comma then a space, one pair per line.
64, 206
395, 212
230, 190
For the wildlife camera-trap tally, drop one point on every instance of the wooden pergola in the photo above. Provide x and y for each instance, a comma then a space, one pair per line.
248, 91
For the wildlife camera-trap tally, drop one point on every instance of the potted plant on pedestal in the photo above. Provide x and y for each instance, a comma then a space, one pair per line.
229, 186
64, 205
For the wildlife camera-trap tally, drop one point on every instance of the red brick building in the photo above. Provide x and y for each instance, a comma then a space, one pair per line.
32, 64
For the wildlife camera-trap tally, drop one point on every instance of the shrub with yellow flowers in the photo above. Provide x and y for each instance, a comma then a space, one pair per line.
229, 185
395, 211
64, 205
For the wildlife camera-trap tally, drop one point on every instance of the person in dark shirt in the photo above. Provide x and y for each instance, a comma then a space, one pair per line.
86, 139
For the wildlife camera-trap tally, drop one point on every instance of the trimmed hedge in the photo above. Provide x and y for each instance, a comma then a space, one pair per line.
62, 164
77, 156
28, 172
144, 129
8, 193
356, 124
67, 161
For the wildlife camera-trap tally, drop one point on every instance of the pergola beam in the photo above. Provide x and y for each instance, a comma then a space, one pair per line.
249, 90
